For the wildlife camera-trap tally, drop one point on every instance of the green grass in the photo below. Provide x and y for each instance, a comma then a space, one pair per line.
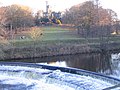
54, 29
51, 35
58, 35
53, 39
54, 33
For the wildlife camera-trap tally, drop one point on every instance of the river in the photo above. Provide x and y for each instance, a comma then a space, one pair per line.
105, 63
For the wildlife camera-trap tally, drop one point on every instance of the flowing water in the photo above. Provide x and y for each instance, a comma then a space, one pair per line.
32, 78
104, 63
29, 78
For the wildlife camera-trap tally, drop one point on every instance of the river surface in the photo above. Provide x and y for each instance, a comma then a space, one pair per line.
105, 63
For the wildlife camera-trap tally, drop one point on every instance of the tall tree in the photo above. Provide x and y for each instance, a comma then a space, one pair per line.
87, 12
18, 16
87, 15
3, 34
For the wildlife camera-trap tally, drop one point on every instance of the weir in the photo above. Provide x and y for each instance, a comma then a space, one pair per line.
27, 76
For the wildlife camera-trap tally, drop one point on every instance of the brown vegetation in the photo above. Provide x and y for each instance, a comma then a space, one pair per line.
90, 18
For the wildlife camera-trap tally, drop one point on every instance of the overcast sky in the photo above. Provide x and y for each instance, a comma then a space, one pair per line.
61, 5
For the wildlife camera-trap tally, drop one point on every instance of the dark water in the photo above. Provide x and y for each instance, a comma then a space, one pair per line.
105, 63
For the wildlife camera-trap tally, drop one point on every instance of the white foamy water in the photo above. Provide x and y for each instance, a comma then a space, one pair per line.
28, 78
115, 64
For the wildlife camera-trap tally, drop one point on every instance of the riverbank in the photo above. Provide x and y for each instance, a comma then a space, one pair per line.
44, 49
53, 42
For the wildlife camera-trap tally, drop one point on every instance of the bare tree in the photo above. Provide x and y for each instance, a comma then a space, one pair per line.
18, 16
35, 34
88, 16
3, 33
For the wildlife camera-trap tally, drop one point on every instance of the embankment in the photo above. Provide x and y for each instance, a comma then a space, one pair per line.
54, 50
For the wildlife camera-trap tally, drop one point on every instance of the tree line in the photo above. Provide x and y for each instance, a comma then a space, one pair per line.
87, 17
14, 17
90, 18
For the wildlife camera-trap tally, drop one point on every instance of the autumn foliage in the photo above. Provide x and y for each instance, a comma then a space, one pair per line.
35, 33
89, 16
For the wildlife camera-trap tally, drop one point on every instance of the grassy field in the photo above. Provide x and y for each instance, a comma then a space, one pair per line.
49, 35
53, 41
57, 35
53, 33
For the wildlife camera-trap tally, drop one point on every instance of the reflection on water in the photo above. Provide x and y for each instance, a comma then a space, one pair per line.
91, 62
58, 63
105, 63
